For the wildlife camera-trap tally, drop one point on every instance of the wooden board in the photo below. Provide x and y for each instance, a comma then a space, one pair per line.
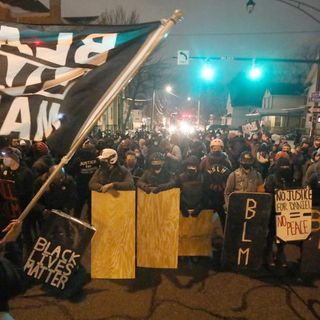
113, 247
158, 229
195, 234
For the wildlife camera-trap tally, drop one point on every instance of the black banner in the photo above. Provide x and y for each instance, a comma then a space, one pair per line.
52, 77
57, 252
246, 230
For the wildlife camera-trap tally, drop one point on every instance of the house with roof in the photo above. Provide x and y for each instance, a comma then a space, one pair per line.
30, 11
283, 108
35, 12
244, 98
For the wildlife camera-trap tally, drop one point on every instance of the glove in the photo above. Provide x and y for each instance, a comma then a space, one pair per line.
185, 213
158, 189
106, 187
195, 212
146, 189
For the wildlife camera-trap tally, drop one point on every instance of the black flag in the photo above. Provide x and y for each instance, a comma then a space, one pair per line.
52, 77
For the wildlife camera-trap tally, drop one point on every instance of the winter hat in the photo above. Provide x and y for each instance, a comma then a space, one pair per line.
40, 148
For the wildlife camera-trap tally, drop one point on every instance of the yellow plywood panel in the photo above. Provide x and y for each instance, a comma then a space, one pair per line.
158, 229
195, 234
113, 246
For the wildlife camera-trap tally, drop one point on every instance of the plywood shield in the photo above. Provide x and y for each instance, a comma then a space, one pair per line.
158, 229
113, 247
195, 234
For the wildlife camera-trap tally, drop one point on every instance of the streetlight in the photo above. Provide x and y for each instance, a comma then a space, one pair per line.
302, 7
299, 5
168, 88
250, 6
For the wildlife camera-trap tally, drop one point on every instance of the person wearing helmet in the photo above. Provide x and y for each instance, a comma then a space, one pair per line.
190, 182
110, 174
244, 179
156, 178
216, 168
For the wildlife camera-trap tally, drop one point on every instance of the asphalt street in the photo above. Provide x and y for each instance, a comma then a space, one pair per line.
196, 290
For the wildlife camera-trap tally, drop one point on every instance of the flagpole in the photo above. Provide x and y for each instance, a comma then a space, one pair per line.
120, 82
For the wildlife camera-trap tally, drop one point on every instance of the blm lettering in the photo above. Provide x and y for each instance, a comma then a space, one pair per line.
246, 227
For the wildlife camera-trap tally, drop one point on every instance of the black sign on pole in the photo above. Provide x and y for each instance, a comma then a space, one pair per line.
57, 252
246, 230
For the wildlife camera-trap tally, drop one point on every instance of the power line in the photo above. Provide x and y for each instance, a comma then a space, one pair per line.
205, 34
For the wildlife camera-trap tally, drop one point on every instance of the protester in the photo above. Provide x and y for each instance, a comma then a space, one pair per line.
190, 182
82, 167
131, 164
12, 277
110, 174
282, 178
245, 178
156, 178
216, 168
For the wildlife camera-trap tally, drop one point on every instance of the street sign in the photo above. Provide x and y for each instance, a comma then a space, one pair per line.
315, 96
313, 109
183, 57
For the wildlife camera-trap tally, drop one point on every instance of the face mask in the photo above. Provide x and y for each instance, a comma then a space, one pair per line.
7, 162
247, 166
156, 169
284, 172
216, 153
106, 165
191, 171
131, 163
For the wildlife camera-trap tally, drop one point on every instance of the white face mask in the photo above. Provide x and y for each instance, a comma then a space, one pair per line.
7, 162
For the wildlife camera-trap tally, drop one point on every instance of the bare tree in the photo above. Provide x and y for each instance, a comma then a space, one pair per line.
118, 16
149, 76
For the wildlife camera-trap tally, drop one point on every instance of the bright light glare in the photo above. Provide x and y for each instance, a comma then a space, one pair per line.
189, 98
186, 128
172, 129
168, 88
207, 73
255, 73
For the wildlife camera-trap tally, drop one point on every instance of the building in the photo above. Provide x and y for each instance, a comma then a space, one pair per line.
283, 108
30, 11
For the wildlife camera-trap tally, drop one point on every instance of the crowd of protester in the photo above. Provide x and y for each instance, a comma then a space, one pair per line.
207, 167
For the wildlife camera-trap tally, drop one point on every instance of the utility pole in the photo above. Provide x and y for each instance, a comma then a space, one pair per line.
315, 103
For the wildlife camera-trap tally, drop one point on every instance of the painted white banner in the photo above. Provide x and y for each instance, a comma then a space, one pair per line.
293, 219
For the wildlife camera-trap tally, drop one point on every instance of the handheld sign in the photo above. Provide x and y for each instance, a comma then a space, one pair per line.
158, 229
57, 252
293, 209
246, 230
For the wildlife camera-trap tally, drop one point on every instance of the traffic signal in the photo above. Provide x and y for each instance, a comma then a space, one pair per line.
207, 73
255, 73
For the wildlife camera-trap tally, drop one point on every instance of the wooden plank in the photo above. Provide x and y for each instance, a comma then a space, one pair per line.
113, 247
158, 229
195, 234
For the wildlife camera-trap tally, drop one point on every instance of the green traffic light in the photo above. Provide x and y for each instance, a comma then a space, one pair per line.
255, 73
207, 73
